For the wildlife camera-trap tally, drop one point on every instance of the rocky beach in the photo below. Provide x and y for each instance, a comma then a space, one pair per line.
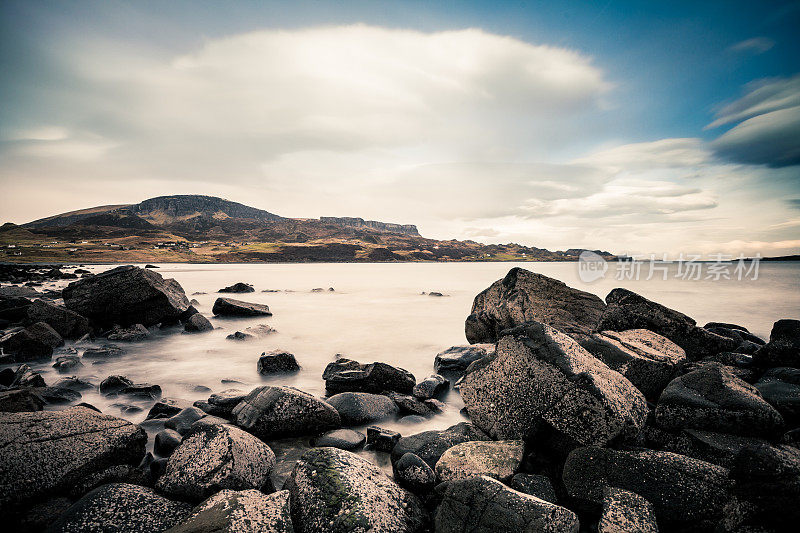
576, 414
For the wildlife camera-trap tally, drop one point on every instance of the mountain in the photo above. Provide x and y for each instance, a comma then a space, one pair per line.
195, 228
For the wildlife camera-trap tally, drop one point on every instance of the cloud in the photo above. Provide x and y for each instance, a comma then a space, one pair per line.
763, 96
756, 45
770, 139
794, 203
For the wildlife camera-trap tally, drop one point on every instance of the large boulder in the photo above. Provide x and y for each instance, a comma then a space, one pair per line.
67, 323
680, 488
18, 401
713, 447
484, 505
214, 457
32, 343
231, 307
628, 310
626, 511
524, 296
455, 360
245, 511
712, 398
276, 412
126, 295
783, 348
539, 375
358, 408
647, 359
496, 459
781, 388
121, 507
336, 491
47, 452
430, 445
197, 323
414, 474
346, 375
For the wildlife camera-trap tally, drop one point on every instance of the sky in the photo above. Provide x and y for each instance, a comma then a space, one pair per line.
634, 127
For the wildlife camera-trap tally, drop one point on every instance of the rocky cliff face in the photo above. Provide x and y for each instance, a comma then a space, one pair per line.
406, 229
187, 206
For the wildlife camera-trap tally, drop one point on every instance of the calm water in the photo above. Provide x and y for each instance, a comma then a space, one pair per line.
377, 313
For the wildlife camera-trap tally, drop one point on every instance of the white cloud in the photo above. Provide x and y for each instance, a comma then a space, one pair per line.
756, 45
762, 97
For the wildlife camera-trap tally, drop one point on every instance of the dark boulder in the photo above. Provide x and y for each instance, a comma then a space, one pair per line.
455, 360
709, 446
238, 288
780, 387
106, 351
277, 362
183, 420
32, 343
121, 507
224, 402
783, 348
626, 511
22, 400
346, 375
47, 452
535, 485
231, 307
114, 384
430, 445
67, 363
414, 474
231, 511
269, 412
68, 324
540, 376
74, 383
628, 310
126, 295
197, 323
166, 408
523, 296
431, 386
25, 377
483, 504
142, 391
239, 336
496, 459
381, 439
409, 404
134, 333
345, 439
58, 396
358, 408
713, 399
336, 491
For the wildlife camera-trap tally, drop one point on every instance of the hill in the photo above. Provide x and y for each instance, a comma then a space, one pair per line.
195, 228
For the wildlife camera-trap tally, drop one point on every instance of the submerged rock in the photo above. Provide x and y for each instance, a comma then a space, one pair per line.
238, 288
497, 459
276, 362
357, 408
430, 445
134, 333
126, 295
456, 359
345, 439
626, 511
274, 412
541, 376
346, 375
215, 457
336, 491
197, 323
47, 452
431, 386
523, 296
245, 511
103, 352
121, 507
231, 307
67, 363
483, 504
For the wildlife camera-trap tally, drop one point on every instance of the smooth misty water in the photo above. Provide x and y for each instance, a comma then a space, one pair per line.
377, 313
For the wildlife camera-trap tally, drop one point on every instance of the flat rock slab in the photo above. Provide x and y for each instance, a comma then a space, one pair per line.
524, 296
336, 491
245, 511
276, 412
539, 375
346, 375
483, 504
121, 507
496, 459
47, 452
215, 457
231, 307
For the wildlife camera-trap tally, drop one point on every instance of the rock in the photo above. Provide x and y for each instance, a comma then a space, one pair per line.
135, 475
414, 474
40, 515
22, 400
523, 296
126, 295
792, 438
430, 387
103, 352
336, 491
357, 408
208, 420
67, 363
238, 288
245, 511
231, 307
783, 348
430, 445
680, 488
346, 375
32, 343
496, 459
456, 359
142, 391
222, 403
58, 396
121, 507
541, 376
410, 405
344, 439
134, 333
628, 310
269, 412
535, 485
216, 457
411, 419
713, 399
717, 448
47, 452
261, 330
166, 408
197, 323
114, 384
25, 377
68, 324
239, 336
127, 408
277, 361
780, 387
626, 511
483, 504
381, 439
647, 359
74, 383
183, 420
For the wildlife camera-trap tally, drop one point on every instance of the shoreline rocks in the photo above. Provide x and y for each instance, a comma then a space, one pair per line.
269, 412
231, 307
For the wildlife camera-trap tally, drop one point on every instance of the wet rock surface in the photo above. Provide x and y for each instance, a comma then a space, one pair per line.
245, 511
358, 408
346, 375
277, 362
430, 445
455, 360
231, 307
496, 459
269, 412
